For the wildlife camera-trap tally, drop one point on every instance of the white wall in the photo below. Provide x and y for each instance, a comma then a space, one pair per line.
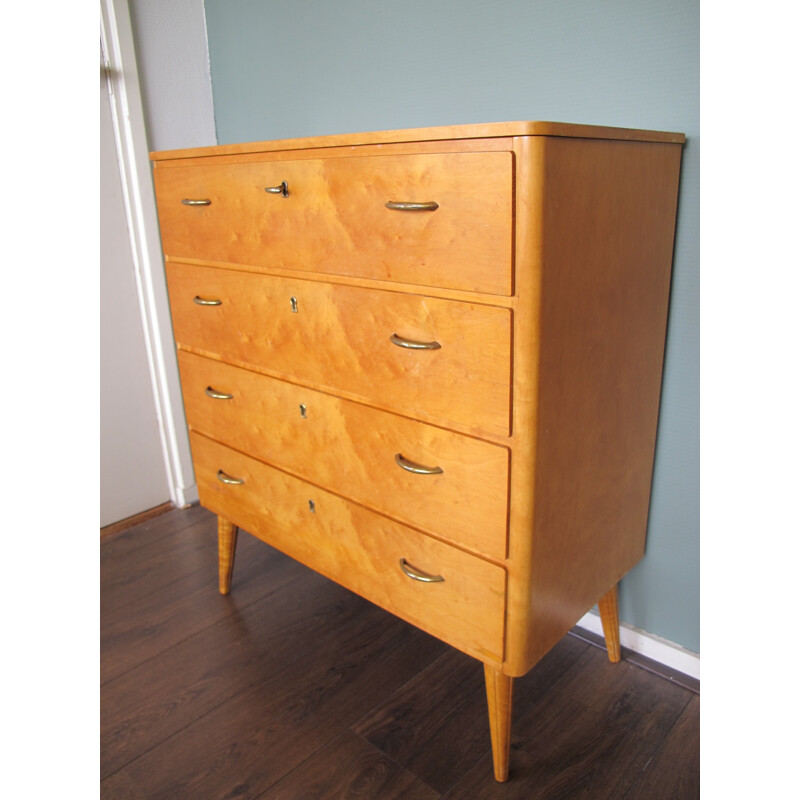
133, 476
161, 100
172, 53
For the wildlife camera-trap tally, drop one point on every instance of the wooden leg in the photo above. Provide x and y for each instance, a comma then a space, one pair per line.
609, 616
498, 693
226, 534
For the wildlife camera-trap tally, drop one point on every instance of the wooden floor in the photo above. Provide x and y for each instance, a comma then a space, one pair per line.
293, 688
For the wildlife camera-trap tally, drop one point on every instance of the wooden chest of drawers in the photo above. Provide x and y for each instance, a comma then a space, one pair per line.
427, 364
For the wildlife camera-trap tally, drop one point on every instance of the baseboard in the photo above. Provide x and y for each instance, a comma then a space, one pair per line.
136, 519
652, 647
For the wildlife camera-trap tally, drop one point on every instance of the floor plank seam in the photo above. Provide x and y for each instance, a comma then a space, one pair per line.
399, 765
159, 588
638, 776
387, 700
197, 519
223, 701
465, 701
632, 657
521, 715
182, 728
178, 643
655, 753
299, 766
139, 598
480, 764
136, 519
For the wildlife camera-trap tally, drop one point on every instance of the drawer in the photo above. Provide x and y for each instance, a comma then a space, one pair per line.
359, 549
337, 338
354, 450
335, 220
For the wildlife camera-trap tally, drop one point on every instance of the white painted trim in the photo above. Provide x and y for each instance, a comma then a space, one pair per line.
139, 198
646, 644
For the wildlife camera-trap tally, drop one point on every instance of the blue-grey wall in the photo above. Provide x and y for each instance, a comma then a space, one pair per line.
310, 67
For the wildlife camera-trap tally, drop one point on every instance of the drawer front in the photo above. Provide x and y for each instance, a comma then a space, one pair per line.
335, 220
359, 549
353, 450
337, 338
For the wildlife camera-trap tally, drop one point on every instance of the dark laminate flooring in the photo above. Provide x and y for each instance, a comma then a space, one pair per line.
293, 688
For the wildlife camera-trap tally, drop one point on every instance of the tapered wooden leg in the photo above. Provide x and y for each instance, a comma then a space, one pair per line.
609, 616
498, 694
226, 534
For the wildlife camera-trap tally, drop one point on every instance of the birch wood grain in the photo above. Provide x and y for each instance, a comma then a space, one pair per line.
539, 297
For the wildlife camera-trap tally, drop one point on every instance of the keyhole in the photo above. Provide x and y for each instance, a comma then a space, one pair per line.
311, 507
294, 305
303, 410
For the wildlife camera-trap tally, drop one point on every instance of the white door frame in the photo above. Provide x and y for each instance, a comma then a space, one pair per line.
116, 37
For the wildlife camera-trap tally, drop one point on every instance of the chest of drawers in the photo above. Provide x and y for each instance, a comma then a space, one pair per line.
427, 364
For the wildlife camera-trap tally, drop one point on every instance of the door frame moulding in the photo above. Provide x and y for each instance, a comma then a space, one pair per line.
116, 38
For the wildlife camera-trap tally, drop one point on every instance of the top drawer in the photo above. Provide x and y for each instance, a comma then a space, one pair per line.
334, 217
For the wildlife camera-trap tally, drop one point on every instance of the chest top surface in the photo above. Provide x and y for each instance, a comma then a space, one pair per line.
470, 131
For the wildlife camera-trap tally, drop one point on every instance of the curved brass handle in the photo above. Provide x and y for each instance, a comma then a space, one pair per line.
417, 469
430, 206
411, 345
227, 479
187, 201
204, 301
282, 189
417, 575
218, 395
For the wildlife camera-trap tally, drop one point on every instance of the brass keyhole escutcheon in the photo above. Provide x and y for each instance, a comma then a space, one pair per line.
303, 411
293, 301
311, 507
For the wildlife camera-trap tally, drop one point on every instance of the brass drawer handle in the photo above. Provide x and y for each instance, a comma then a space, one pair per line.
187, 201
417, 469
431, 206
204, 301
218, 395
417, 575
227, 479
282, 189
410, 345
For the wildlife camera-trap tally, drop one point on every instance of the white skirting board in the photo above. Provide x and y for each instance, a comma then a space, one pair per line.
646, 644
